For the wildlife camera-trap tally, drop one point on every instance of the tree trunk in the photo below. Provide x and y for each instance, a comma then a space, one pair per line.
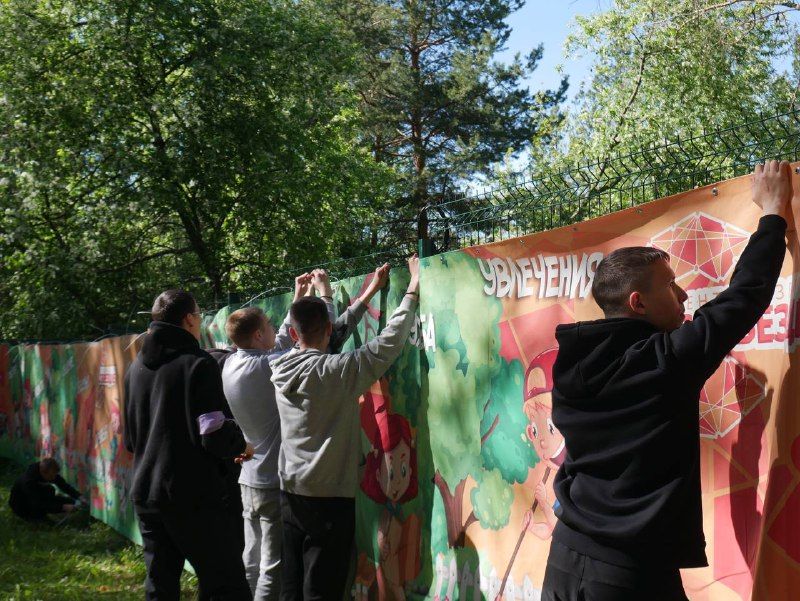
453, 504
420, 192
422, 225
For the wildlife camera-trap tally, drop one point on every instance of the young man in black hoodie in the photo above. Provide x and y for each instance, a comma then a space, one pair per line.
625, 397
176, 429
33, 495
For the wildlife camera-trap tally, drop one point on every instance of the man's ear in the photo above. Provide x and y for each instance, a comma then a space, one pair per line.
635, 303
293, 334
186, 322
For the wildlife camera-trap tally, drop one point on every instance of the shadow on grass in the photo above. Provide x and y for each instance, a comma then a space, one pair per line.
81, 558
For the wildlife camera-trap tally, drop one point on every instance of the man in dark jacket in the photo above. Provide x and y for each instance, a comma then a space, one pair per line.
626, 400
33, 496
176, 429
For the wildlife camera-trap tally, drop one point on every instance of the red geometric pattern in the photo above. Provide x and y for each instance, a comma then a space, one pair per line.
784, 529
732, 392
700, 243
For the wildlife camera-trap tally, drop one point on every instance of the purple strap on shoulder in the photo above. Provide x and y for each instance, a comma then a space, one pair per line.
210, 422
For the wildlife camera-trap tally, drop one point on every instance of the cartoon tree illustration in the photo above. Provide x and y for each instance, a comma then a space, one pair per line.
475, 399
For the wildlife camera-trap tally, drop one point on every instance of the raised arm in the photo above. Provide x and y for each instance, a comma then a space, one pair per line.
321, 283
360, 368
283, 341
348, 321
720, 324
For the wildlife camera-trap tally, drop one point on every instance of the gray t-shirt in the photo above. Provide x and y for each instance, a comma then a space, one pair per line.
246, 379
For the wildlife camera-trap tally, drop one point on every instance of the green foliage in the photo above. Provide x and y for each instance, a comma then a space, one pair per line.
506, 449
492, 500
82, 559
664, 69
436, 104
207, 144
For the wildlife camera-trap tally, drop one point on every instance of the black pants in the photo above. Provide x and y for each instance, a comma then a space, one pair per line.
233, 508
572, 576
318, 535
171, 536
23, 509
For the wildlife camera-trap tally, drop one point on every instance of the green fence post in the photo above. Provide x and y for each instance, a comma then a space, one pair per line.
425, 247
424, 243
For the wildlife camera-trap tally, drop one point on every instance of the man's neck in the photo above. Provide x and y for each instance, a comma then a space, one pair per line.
631, 315
255, 346
320, 346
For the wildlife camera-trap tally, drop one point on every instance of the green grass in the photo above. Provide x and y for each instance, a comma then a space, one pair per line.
82, 559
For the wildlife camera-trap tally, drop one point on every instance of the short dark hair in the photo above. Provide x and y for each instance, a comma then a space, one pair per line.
171, 306
309, 316
243, 323
623, 271
50, 465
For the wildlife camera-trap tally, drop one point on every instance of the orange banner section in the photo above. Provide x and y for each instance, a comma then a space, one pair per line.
749, 411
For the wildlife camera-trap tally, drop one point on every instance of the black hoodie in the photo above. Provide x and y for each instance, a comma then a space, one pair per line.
626, 399
168, 386
33, 497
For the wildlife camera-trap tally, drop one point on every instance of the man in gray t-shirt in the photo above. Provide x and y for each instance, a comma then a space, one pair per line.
317, 395
245, 380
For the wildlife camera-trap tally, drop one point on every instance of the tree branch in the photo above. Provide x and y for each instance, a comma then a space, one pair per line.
486, 436
623, 115
150, 257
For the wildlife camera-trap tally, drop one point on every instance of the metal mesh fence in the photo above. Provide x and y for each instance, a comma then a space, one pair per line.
562, 197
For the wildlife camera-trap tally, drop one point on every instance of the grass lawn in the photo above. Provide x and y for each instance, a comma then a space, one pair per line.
84, 559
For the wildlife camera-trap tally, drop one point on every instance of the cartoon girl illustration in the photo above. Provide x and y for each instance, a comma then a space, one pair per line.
545, 438
390, 479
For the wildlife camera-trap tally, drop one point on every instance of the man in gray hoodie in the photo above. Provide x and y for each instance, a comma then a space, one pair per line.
317, 395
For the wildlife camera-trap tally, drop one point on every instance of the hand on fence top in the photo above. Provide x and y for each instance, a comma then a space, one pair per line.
379, 279
772, 187
381, 276
322, 282
301, 285
413, 269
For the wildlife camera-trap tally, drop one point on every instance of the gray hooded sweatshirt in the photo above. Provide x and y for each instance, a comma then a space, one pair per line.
317, 396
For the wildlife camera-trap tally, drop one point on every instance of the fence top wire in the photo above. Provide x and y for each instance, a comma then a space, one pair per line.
554, 198
558, 197
345, 267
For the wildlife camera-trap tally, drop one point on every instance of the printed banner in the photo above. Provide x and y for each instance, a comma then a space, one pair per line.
495, 449
65, 401
458, 448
